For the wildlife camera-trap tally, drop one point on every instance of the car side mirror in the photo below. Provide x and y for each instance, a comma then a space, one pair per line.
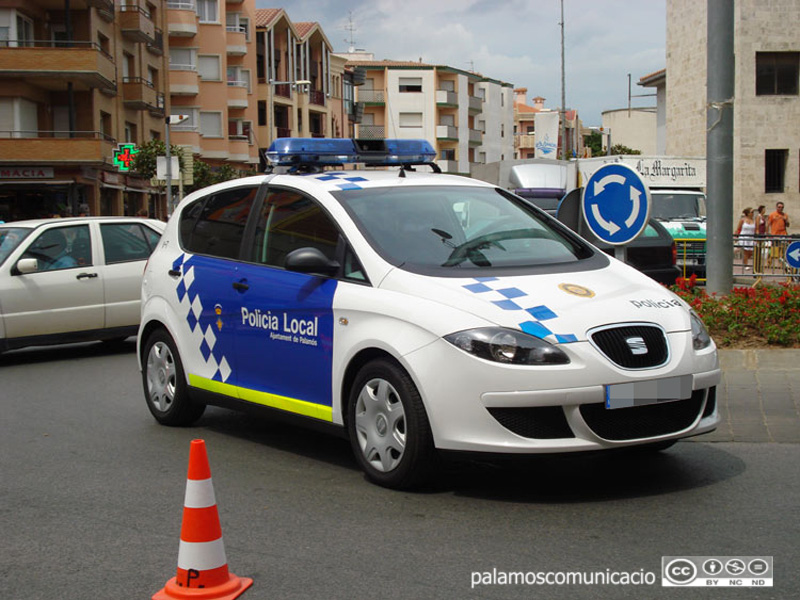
26, 266
310, 260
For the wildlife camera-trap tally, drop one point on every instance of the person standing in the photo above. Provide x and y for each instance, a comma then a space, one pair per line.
777, 222
746, 229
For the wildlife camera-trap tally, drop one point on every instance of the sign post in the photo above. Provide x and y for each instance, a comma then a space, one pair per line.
616, 205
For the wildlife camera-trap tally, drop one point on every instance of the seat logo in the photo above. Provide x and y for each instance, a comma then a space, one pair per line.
637, 345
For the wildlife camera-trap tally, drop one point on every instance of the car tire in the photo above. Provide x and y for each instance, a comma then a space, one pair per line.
388, 427
164, 383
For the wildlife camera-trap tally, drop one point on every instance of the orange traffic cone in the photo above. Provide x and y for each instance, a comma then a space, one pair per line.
202, 566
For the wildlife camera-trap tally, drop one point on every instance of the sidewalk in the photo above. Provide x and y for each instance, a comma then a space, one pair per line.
759, 397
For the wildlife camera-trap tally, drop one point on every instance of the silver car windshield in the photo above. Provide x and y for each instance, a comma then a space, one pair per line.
455, 227
10, 238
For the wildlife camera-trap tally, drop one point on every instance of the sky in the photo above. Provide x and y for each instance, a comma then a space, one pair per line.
516, 41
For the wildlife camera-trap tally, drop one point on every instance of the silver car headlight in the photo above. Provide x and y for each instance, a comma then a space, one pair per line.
700, 337
507, 346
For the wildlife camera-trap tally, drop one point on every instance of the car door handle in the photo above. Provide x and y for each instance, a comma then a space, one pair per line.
86, 276
174, 273
241, 286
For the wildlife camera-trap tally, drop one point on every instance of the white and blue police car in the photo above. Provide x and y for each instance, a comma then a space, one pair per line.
415, 313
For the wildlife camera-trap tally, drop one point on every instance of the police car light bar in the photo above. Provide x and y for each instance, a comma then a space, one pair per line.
319, 152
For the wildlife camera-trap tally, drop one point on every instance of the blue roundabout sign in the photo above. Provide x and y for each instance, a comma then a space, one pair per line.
616, 204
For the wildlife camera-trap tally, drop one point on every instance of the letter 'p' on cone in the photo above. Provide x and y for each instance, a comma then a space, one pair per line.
202, 566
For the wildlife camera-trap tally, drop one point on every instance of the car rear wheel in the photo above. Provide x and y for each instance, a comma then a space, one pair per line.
165, 384
388, 427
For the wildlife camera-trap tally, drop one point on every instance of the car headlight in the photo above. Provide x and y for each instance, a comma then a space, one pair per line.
700, 337
507, 346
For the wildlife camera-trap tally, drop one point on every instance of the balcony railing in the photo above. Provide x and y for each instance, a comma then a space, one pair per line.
182, 5
65, 147
475, 104
475, 136
446, 97
80, 61
446, 132
371, 132
157, 45
316, 97
283, 132
371, 96
136, 24
283, 90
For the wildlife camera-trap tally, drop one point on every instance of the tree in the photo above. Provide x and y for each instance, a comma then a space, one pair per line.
144, 162
620, 149
595, 143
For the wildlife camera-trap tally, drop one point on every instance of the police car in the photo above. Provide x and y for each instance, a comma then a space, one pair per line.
415, 313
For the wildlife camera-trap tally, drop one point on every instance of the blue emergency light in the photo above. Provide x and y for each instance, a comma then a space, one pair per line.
320, 152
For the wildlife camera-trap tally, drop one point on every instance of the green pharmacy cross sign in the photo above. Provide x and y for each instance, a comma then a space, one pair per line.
123, 156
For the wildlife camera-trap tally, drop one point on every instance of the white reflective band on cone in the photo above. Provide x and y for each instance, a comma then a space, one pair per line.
201, 556
199, 494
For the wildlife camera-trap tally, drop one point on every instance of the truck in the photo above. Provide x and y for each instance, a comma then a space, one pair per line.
677, 187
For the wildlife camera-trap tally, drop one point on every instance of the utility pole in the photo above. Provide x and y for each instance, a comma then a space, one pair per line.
719, 145
563, 93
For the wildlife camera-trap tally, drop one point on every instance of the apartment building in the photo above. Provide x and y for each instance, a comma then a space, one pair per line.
77, 79
301, 82
765, 104
525, 128
441, 104
212, 69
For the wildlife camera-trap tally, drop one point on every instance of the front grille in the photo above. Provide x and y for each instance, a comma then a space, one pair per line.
538, 422
639, 422
616, 343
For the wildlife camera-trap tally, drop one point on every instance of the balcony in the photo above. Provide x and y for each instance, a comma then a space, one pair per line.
85, 147
283, 90
237, 94
316, 97
475, 105
139, 94
157, 45
84, 63
236, 40
182, 17
136, 24
475, 137
371, 96
283, 132
446, 98
183, 82
371, 132
446, 132
448, 166
238, 148
525, 141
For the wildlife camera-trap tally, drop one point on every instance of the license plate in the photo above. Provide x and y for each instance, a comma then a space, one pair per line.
652, 391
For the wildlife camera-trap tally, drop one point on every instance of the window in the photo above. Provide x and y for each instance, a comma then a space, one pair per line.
206, 11
214, 225
410, 84
130, 132
448, 154
410, 119
262, 113
189, 124
124, 242
61, 248
208, 67
152, 77
182, 59
774, 170
211, 124
289, 221
24, 31
236, 77
239, 129
777, 73
105, 124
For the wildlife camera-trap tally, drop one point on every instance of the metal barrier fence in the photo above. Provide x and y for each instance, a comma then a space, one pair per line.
759, 257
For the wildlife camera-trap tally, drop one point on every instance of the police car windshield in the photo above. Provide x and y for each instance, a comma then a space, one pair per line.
10, 237
448, 228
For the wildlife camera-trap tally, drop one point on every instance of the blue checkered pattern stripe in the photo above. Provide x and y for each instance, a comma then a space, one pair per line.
514, 299
202, 325
341, 179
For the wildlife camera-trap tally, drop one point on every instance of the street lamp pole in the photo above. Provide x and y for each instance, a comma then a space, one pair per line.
171, 120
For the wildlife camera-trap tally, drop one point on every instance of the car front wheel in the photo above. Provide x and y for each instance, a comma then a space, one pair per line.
388, 427
165, 384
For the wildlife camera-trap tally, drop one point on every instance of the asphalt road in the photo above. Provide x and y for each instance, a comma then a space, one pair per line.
93, 489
